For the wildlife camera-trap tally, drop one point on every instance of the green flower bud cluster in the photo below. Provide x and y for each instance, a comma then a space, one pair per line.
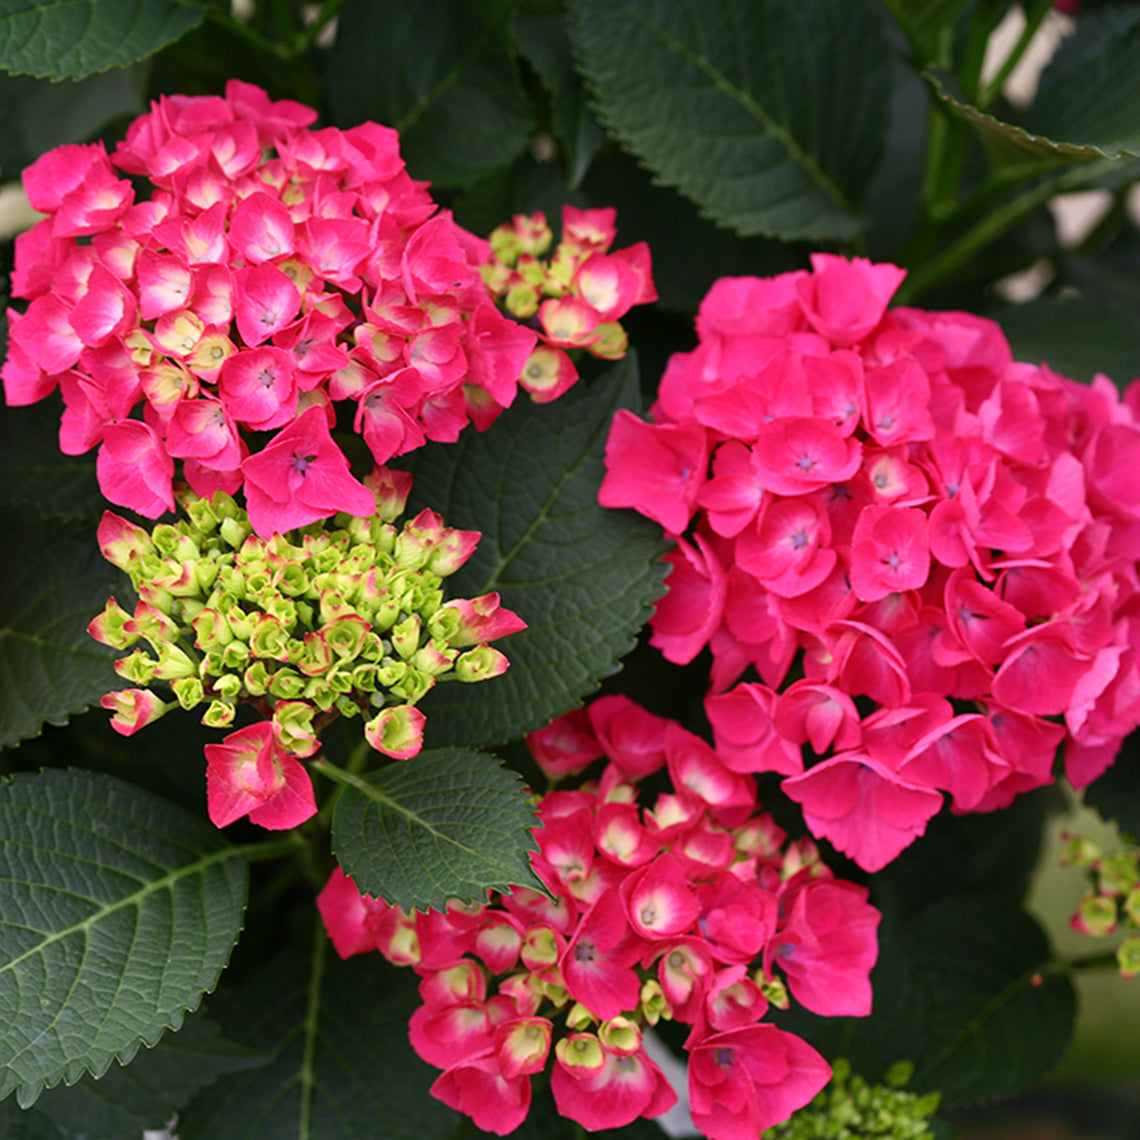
1113, 899
851, 1109
304, 626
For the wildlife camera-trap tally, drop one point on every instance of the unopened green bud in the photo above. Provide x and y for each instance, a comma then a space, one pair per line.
1128, 956
173, 663
137, 667
773, 989
235, 655
413, 685
171, 543
1132, 906
1117, 872
1078, 850
620, 1035
220, 714
211, 630
287, 684
578, 1017
270, 639
1096, 916
654, 1005
480, 664
293, 727
321, 693
405, 636
189, 692
228, 686
364, 678
234, 531
257, 679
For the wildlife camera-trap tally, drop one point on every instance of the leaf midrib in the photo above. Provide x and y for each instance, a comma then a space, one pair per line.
772, 126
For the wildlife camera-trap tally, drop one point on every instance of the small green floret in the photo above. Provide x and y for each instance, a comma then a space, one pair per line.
851, 1109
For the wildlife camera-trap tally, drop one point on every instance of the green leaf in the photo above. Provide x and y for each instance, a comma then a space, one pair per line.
35, 473
50, 589
450, 824
769, 114
1089, 95
342, 1069
69, 39
39, 114
583, 578
119, 912
440, 72
965, 990
147, 1093
542, 39
1011, 147
1075, 336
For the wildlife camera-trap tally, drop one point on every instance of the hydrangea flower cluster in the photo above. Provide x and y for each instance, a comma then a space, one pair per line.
926, 550
1112, 901
688, 907
274, 272
579, 295
304, 627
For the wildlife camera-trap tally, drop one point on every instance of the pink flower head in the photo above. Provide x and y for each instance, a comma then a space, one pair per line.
135, 470
844, 300
301, 476
249, 773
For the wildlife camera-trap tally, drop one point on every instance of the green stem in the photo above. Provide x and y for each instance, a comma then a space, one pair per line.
246, 32
255, 852
345, 778
306, 1077
1101, 960
994, 88
992, 226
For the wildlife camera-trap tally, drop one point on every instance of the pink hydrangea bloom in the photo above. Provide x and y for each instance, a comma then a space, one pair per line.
685, 904
930, 528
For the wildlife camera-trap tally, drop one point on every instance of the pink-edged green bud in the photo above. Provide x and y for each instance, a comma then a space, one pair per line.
171, 543
293, 727
547, 374
522, 1046
339, 681
219, 714
314, 658
654, 1005
802, 855
1132, 906
133, 709
522, 298
1096, 916
137, 667
385, 609
211, 630
212, 664
257, 679
1078, 850
270, 639
235, 655
612, 342
122, 542
433, 660
234, 532
173, 663
397, 732
152, 624
481, 664
292, 579
228, 686
390, 490
405, 636
332, 606
620, 1035
581, 1053
426, 543
345, 636
482, 619
1128, 956
1117, 873
773, 990
320, 693
287, 684
189, 691
578, 1017
542, 946
390, 673
413, 685
364, 678
550, 986
178, 579
110, 627
240, 623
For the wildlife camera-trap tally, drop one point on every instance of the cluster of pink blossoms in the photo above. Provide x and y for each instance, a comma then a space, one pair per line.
684, 910
274, 271
926, 550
